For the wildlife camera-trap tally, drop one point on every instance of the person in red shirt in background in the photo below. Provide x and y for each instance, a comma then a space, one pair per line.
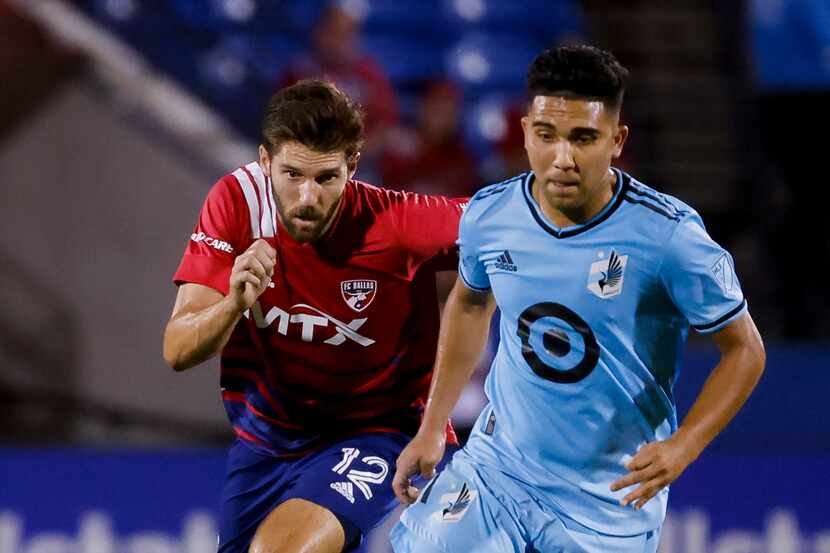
336, 56
318, 292
432, 158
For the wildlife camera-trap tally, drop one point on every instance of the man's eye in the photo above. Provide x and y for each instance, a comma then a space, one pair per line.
292, 174
585, 139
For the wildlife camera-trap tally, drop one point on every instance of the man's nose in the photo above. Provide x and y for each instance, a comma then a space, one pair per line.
309, 192
563, 158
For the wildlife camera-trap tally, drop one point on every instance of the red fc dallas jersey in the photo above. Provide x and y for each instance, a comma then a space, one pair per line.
344, 339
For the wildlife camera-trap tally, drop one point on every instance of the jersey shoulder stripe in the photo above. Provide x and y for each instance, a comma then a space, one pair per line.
667, 200
656, 208
260, 201
497, 188
490, 198
658, 202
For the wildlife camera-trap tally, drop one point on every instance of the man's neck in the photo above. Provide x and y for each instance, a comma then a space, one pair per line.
564, 218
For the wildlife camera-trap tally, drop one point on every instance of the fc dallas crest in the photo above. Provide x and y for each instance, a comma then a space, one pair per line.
358, 294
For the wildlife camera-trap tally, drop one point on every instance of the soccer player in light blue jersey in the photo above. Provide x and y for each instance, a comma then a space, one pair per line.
598, 278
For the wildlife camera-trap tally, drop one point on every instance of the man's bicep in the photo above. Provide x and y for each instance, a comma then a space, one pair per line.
192, 298
739, 333
472, 298
699, 276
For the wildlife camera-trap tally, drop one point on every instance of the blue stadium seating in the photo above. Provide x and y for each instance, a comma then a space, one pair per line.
230, 52
258, 16
413, 19
491, 62
547, 18
406, 60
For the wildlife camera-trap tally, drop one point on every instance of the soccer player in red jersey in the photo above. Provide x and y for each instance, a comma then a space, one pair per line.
318, 291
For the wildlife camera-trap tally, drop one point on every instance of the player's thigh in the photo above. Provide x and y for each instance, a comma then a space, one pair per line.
299, 526
352, 478
458, 512
567, 536
254, 484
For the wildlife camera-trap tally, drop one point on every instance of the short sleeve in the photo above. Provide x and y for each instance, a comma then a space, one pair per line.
216, 240
470, 268
700, 278
428, 229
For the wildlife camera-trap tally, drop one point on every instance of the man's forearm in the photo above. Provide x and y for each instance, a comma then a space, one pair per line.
192, 338
723, 394
464, 330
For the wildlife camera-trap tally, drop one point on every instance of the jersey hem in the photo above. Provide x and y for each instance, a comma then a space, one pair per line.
468, 284
199, 269
723, 321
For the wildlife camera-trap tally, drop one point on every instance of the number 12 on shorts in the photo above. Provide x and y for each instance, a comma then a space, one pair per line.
361, 478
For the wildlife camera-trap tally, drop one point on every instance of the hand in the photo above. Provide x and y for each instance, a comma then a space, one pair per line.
654, 467
421, 455
251, 274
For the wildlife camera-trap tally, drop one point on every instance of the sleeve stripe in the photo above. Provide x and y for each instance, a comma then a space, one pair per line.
729, 315
250, 197
467, 282
253, 169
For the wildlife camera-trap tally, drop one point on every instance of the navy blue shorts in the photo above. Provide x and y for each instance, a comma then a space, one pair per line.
351, 478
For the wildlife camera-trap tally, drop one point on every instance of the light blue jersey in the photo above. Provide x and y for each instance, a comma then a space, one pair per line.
593, 322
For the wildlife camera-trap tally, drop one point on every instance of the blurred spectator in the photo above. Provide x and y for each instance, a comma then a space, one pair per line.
511, 146
336, 56
432, 158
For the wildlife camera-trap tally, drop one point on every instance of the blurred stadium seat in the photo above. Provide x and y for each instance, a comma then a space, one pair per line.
232, 15
408, 18
492, 62
406, 61
543, 17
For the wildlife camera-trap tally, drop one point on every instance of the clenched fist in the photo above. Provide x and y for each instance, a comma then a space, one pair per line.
251, 274
419, 457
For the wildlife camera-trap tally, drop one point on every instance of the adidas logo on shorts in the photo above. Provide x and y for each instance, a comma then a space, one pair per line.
346, 489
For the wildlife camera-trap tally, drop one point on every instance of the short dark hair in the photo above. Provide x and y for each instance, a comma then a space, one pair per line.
316, 114
581, 71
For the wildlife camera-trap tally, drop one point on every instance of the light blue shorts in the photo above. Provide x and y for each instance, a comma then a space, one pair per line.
467, 510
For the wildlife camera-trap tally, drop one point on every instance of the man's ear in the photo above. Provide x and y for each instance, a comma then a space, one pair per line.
351, 164
525, 120
265, 160
619, 141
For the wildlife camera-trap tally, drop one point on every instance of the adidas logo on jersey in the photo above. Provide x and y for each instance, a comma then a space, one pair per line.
505, 262
346, 489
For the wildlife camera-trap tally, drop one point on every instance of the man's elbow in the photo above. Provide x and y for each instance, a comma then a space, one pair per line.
173, 359
757, 355
173, 354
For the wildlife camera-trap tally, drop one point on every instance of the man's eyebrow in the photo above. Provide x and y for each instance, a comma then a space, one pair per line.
326, 171
585, 130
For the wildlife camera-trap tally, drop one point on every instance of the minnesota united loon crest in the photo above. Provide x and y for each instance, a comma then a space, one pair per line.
605, 279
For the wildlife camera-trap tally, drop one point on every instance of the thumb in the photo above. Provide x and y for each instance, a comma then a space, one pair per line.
427, 469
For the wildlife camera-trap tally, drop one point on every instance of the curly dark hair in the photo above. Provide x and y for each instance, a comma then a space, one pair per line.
580, 71
316, 114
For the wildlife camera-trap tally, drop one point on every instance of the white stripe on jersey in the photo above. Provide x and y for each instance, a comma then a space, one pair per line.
268, 228
250, 196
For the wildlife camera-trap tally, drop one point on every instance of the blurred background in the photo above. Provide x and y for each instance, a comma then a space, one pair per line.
116, 116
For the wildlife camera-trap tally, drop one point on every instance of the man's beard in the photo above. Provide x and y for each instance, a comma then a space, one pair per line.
309, 214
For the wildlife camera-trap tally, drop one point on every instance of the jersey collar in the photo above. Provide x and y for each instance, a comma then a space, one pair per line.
605, 212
